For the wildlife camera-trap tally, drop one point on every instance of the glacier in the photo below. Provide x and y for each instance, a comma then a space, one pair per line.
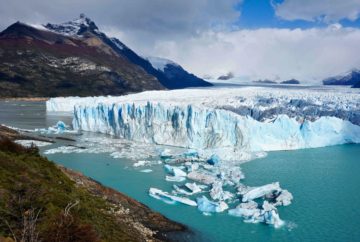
207, 133
223, 132
233, 123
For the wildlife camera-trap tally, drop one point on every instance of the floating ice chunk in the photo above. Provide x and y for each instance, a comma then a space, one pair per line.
261, 191
249, 215
188, 189
146, 170
59, 128
249, 211
175, 171
207, 206
29, 143
175, 178
252, 214
195, 188
141, 163
190, 166
202, 177
230, 174
217, 192
248, 205
166, 197
242, 189
214, 160
284, 198
271, 215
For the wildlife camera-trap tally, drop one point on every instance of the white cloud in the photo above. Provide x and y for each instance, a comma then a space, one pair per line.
308, 55
151, 16
318, 10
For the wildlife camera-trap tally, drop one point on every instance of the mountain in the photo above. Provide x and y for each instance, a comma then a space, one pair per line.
73, 58
351, 78
173, 72
172, 77
228, 76
291, 81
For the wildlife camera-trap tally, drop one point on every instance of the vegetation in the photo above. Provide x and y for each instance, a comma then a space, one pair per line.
38, 202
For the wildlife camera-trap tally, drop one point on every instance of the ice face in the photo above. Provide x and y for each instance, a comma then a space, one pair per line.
209, 129
260, 103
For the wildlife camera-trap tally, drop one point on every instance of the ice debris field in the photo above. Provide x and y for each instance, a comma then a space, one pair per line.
219, 128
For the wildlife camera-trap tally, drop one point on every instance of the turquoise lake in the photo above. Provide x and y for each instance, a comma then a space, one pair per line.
325, 183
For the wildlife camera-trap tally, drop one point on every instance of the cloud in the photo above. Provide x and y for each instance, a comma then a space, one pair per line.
308, 55
318, 10
155, 16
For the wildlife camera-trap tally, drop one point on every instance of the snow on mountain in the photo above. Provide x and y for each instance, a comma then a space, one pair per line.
74, 27
160, 63
350, 78
211, 120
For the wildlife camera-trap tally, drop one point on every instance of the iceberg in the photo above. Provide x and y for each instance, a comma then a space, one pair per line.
271, 215
175, 171
202, 177
191, 166
175, 178
252, 214
213, 160
217, 192
146, 171
59, 128
188, 189
207, 206
171, 199
284, 198
261, 191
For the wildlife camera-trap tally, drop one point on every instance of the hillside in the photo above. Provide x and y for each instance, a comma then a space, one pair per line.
42, 202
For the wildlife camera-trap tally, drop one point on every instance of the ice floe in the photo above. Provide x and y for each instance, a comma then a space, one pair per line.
59, 128
166, 197
260, 191
207, 206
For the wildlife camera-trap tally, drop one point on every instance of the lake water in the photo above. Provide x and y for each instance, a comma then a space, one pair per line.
325, 183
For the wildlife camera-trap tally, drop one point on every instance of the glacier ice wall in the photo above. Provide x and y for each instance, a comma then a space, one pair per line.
208, 128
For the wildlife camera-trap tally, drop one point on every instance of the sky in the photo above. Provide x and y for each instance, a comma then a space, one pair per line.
308, 40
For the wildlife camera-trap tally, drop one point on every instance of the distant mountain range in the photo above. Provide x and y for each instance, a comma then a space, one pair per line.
75, 58
351, 78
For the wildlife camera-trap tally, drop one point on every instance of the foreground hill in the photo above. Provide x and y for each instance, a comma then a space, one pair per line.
42, 202
75, 58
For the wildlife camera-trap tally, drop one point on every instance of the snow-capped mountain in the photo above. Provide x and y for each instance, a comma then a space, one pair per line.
351, 78
74, 58
171, 76
74, 27
174, 71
